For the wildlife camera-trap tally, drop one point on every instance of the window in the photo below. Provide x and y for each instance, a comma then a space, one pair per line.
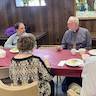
22, 3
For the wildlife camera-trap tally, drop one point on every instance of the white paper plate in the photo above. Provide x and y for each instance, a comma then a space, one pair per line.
74, 62
14, 50
92, 52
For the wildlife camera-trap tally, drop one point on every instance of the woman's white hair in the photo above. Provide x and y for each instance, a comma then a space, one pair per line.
73, 19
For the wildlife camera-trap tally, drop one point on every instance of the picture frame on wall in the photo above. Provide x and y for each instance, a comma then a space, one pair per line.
85, 9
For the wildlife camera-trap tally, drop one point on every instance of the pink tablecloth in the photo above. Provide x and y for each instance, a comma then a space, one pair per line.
54, 58
5, 62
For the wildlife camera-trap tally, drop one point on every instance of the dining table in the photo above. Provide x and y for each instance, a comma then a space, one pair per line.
53, 56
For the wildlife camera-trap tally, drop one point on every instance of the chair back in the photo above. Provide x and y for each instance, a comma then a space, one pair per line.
9, 31
24, 90
4, 72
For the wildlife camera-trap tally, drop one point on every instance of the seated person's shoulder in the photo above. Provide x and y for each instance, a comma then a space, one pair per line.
14, 35
36, 58
67, 32
84, 29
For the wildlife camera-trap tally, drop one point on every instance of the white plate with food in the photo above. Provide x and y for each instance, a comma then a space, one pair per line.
92, 52
74, 62
14, 50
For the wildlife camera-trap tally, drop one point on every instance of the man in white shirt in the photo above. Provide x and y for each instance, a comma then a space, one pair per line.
12, 40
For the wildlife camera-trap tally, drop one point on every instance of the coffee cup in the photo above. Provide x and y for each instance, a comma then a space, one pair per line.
59, 48
73, 51
82, 51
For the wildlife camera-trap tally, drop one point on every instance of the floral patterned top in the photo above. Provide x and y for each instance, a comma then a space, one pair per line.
27, 70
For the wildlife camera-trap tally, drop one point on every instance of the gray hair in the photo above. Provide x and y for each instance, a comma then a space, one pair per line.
26, 42
73, 19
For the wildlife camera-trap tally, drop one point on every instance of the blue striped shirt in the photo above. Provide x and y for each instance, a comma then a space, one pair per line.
82, 38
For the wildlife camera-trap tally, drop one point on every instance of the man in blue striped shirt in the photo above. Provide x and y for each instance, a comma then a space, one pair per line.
75, 37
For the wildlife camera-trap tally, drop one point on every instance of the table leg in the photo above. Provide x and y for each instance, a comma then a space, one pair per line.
57, 85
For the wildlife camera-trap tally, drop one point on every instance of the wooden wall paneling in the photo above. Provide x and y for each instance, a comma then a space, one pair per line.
41, 23
9, 12
62, 19
39, 19
56, 15
69, 7
19, 14
89, 24
31, 19
13, 12
45, 19
3, 17
94, 26
56, 20
50, 20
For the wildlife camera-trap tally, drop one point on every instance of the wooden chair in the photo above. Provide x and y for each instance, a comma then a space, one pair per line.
24, 90
4, 72
74, 90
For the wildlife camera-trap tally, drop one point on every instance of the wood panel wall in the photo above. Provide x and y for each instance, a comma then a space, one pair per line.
51, 18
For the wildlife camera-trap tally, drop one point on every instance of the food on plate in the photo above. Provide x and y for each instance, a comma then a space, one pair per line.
14, 50
2, 53
73, 61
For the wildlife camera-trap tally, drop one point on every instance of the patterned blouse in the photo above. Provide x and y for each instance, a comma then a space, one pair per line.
27, 70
